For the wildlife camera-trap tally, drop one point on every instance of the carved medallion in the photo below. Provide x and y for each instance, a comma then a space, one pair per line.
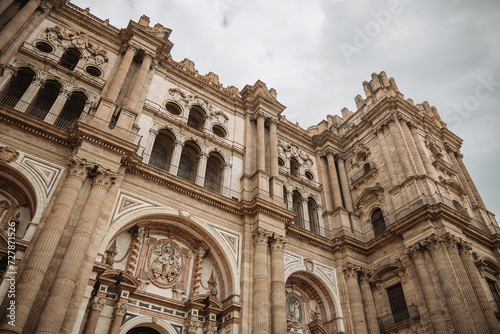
165, 263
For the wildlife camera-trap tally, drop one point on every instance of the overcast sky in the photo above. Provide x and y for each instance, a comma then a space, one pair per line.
317, 53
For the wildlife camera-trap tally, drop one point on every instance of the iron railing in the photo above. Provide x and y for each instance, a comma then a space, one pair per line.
65, 122
443, 162
299, 177
365, 170
410, 313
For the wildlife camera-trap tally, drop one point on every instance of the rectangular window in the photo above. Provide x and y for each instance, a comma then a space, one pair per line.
398, 303
494, 292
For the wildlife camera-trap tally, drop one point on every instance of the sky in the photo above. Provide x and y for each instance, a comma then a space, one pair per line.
317, 53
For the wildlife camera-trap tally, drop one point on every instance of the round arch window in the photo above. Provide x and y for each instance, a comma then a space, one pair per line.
93, 71
44, 47
219, 131
173, 108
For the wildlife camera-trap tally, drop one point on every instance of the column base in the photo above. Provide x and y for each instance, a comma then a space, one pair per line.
126, 118
11, 329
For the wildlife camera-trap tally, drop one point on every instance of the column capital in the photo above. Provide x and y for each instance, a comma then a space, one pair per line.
78, 166
261, 236
98, 303
278, 242
9, 69
192, 326
200, 253
365, 275
466, 250
154, 132
433, 244
120, 308
104, 177
37, 81
179, 143
351, 270
451, 242
130, 46
415, 251
203, 155
8, 154
259, 114
273, 120
209, 329
139, 232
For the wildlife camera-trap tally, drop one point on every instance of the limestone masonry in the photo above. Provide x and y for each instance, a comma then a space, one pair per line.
139, 196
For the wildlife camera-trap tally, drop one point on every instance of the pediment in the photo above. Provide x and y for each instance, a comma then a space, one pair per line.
369, 194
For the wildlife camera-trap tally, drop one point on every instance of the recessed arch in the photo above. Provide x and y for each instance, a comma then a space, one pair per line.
162, 151
227, 257
158, 324
72, 110
188, 163
18, 85
214, 171
196, 118
45, 99
70, 58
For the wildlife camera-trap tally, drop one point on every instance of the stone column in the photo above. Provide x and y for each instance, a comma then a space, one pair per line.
261, 321
419, 165
346, 192
391, 168
434, 309
118, 314
138, 85
176, 157
278, 296
200, 253
475, 280
97, 304
334, 181
67, 275
448, 283
476, 315
8, 74
273, 145
202, 169
226, 179
4, 5
355, 299
429, 168
56, 108
121, 73
305, 218
134, 252
401, 151
15, 24
461, 176
149, 145
261, 149
29, 95
368, 302
469, 180
43, 249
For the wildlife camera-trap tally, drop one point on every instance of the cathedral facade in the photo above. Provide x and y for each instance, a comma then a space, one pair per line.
140, 196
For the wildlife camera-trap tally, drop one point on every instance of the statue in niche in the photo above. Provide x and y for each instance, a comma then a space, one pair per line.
165, 263
294, 310
212, 285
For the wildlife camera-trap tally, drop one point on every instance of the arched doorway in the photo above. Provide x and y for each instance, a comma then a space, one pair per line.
143, 330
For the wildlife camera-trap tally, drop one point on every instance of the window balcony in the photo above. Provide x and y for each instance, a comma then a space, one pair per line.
368, 169
440, 163
397, 321
300, 178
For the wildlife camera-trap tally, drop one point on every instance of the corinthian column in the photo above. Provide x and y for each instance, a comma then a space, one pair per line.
17, 22
435, 311
477, 317
355, 299
475, 280
368, 302
391, 168
415, 156
346, 192
120, 75
278, 296
469, 180
273, 145
261, 282
429, 169
134, 252
461, 176
401, 151
138, 85
449, 284
97, 305
43, 249
67, 276
118, 314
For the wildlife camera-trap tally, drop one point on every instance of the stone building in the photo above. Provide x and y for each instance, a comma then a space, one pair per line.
140, 196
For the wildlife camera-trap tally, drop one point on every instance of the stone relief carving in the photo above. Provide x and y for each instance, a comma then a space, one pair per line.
165, 263
287, 150
8, 154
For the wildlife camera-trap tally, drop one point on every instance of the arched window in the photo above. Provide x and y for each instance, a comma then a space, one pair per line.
189, 161
297, 208
143, 330
18, 86
71, 111
285, 197
161, 154
45, 99
294, 167
70, 58
213, 173
196, 118
312, 207
378, 222
366, 168
281, 163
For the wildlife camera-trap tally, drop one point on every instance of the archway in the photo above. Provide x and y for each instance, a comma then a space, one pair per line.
143, 330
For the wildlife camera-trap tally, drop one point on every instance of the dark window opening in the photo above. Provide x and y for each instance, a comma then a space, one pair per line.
173, 108
70, 59
309, 176
93, 71
378, 222
397, 302
196, 119
189, 162
219, 131
294, 167
313, 215
162, 150
72, 111
213, 173
17, 87
45, 99
44, 47
494, 292
297, 208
